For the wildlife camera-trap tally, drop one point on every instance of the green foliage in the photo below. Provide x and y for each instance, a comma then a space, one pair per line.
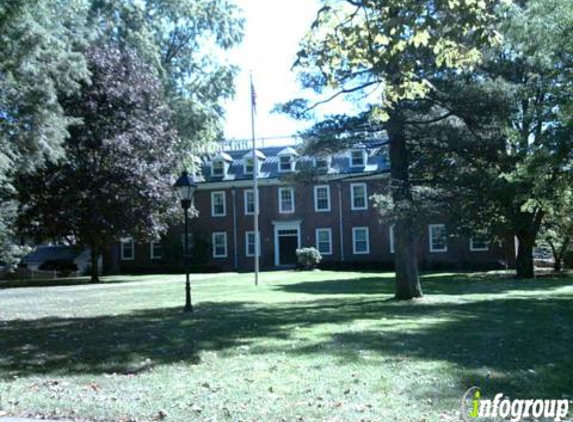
117, 178
308, 258
185, 41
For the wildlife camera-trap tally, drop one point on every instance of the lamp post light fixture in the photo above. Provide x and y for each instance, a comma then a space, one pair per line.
186, 187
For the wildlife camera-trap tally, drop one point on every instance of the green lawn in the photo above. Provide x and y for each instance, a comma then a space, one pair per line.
314, 346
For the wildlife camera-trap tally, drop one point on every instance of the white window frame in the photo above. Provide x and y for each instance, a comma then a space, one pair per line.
354, 231
223, 166
316, 188
431, 238
251, 233
363, 155
281, 209
328, 161
246, 160
291, 163
352, 207
213, 236
316, 237
245, 195
122, 254
213, 194
152, 252
391, 238
474, 249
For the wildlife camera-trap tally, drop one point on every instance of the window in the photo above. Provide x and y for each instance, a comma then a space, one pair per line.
479, 243
127, 249
249, 165
357, 158
218, 205
391, 238
250, 243
358, 196
438, 241
322, 163
249, 202
155, 250
219, 245
286, 200
286, 163
322, 198
360, 240
218, 168
324, 241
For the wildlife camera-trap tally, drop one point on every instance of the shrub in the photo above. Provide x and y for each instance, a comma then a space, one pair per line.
308, 258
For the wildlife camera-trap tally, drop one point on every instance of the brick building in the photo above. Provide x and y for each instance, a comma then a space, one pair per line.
330, 210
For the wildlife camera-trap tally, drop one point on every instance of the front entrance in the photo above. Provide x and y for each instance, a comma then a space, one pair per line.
287, 241
288, 244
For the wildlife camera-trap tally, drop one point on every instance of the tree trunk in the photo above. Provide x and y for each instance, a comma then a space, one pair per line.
558, 265
524, 260
94, 267
405, 257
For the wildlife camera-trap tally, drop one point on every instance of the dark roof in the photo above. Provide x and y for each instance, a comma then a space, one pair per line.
377, 162
45, 253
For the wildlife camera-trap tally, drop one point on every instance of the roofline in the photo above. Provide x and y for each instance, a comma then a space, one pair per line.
246, 183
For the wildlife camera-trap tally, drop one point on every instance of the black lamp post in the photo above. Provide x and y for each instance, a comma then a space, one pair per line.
185, 187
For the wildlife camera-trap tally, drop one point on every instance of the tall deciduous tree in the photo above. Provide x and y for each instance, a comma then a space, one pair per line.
40, 56
389, 51
185, 41
117, 175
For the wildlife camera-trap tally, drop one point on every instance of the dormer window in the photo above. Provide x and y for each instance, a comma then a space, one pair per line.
357, 158
322, 163
249, 161
287, 160
249, 165
286, 163
218, 168
220, 164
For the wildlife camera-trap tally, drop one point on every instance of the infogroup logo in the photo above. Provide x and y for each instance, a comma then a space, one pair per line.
475, 406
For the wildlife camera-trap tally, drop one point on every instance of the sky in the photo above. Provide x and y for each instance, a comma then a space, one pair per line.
273, 30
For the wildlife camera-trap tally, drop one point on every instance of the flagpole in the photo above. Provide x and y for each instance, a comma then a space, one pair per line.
255, 183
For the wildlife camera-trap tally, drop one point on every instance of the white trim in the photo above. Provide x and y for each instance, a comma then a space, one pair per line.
363, 153
352, 207
291, 162
245, 193
247, 183
431, 238
215, 255
354, 230
151, 251
328, 160
316, 188
391, 238
225, 168
474, 249
281, 210
329, 231
213, 194
284, 225
245, 160
122, 254
247, 233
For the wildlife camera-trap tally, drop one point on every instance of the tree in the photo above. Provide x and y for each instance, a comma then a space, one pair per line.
117, 176
557, 228
504, 160
389, 51
184, 41
40, 56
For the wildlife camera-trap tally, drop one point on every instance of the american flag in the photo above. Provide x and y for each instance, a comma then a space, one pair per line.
253, 96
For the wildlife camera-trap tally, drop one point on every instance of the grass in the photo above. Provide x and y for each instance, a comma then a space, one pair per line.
318, 346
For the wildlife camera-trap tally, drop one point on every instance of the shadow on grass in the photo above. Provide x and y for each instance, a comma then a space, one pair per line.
47, 282
506, 335
451, 284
